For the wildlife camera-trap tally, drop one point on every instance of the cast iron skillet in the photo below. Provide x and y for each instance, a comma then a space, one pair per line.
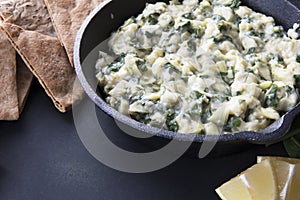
111, 14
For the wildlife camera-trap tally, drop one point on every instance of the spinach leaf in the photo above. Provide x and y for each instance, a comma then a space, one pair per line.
141, 117
292, 146
117, 64
288, 89
171, 23
236, 122
223, 27
271, 96
135, 97
172, 68
218, 18
232, 124
170, 120
298, 58
297, 80
192, 45
251, 51
221, 38
141, 65
235, 4
254, 33
196, 110
189, 16
197, 32
278, 59
206, 113
251, 33
149, 34
278, 31
153, 18
291, 140
195, 94
173, 126
187, 27
236, 20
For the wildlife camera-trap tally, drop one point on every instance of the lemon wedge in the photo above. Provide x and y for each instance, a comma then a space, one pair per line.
293, 191
260, 181
287, 175
234, 189
256, 183
274, 158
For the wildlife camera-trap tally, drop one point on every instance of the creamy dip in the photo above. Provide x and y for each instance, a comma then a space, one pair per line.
207, 67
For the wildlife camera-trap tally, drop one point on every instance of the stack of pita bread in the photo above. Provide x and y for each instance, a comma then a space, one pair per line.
36, 40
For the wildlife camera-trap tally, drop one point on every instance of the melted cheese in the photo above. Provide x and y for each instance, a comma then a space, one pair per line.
207, 67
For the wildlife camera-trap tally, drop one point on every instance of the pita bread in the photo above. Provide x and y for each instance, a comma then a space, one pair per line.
67, 17
24, 80
40, 49
31, 15
8, 87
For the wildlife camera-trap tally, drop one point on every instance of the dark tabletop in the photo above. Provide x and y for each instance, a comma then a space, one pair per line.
42, 157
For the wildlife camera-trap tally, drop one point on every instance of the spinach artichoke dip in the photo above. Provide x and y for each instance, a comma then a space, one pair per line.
206, 67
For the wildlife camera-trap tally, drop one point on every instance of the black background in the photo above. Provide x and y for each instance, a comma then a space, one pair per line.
41, 157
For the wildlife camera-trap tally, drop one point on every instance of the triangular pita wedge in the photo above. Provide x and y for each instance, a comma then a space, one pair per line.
24, 79
31, 15
40, 49
67, 17
8, 86
47, 60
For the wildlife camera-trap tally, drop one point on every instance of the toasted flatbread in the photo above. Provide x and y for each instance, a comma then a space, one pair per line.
8, 86
24, 80
40, 49
67, 17
31, 15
